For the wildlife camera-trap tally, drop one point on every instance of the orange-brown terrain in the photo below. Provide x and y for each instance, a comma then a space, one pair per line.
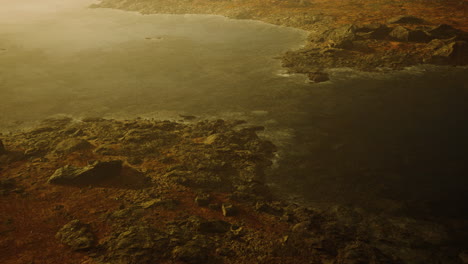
143, 191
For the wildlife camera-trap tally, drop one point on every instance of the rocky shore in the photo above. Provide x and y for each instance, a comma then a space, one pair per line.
145, 191
368, 36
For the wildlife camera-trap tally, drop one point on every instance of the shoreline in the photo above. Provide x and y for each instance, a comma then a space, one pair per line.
382, 42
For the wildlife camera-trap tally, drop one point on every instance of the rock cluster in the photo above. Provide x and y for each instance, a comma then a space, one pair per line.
205, 200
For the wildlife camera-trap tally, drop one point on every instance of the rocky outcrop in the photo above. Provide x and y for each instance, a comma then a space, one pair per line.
94, 173
70, 145
76, 235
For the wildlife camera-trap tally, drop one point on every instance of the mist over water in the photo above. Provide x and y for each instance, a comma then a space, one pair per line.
360, 138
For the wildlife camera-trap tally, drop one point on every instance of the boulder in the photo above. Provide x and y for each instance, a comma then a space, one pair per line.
94, 173
70, 145
444, 31
405, 19
318, 76
342, 37
403, 34
399, 33
373, 31
455, 52
2, 148
216, 226
76, 235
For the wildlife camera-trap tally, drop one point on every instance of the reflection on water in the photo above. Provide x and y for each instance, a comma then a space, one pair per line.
385, 141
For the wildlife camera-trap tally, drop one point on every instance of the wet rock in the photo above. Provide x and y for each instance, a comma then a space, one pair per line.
405, 19
215, 226
399, 33
76, 235
71, 145
455, 52
192, 252
318, 76
137, 244
228, 210
202, 199
166, 203
87, 175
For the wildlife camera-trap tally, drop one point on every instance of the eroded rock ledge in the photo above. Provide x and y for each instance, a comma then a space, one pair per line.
369, 36
135, 191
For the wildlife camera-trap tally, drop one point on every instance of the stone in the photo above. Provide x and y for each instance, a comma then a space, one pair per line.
399, 33
202, 199
191, 252
418, 36
266, 208
455, 52
228, 210
215, 226
2, 148
444, 31
359, 253
86, 175
318, 77
373, 31
405, 19
70, 145
76, 235
342, 37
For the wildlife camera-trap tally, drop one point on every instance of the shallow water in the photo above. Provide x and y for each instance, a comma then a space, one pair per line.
378, 140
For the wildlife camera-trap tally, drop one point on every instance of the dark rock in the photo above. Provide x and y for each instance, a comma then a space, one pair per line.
444, 31
373, 31
318, 76
228, 210
452, 53
71, 145
342, 37
216, 226
7, 186
266, 208
2, 148
418, 36
136, 244
360, 253
399, 33
405, 20
202, 199
87, 175
76, 235
192, 252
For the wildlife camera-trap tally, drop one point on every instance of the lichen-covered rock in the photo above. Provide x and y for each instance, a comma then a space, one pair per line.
76, 235
87, 175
